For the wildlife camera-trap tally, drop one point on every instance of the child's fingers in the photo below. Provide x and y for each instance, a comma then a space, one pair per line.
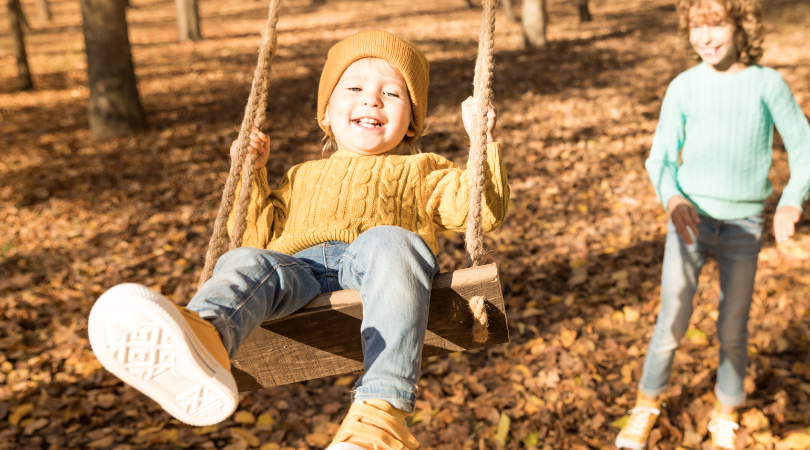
692, 226
786, 229
683, 225
695, 217
257, 144
681, 229
777, 230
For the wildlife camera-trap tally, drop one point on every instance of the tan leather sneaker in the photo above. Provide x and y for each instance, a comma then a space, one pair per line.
722, 428
374, 425
635, 433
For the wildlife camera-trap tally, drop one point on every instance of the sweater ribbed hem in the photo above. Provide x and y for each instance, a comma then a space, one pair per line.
724, 209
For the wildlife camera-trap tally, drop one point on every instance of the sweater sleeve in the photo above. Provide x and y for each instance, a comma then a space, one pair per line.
795, 131
662, 164
267, 211
448, 193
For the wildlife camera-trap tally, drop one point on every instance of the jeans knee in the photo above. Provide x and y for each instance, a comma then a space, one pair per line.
392, 244
247, 256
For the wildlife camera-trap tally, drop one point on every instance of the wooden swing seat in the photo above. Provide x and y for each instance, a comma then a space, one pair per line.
323, 338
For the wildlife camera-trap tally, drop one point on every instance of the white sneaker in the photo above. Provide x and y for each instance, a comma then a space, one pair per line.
169, 353
723, 427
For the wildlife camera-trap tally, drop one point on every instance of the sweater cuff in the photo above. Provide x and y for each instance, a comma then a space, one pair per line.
667, 193
788, 200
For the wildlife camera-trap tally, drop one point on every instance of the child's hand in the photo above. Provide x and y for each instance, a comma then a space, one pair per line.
468, 109
783, 223
684, 217
259, 144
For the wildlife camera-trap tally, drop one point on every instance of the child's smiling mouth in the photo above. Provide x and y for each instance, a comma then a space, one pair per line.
368, 122
710, 51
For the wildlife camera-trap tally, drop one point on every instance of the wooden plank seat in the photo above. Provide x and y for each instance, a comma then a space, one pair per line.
323, 338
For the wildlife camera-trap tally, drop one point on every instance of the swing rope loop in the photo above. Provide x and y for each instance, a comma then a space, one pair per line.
482, 92
254, 117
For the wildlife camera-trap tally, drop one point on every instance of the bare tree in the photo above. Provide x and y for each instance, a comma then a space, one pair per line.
114, 107
584, 13
43, 11
508, 11
534, 22
17, 19
188, 20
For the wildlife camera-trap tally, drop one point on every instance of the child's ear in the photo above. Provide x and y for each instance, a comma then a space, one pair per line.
325, 121
410, 132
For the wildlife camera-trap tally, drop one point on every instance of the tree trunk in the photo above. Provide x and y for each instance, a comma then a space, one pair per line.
534, 23
114, 107
15, 16
508, 11
43, 11
188, 21
584, 13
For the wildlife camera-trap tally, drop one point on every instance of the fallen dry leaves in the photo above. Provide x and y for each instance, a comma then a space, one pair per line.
579, 256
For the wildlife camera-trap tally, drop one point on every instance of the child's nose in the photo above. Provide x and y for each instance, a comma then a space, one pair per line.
705, 34
372, 100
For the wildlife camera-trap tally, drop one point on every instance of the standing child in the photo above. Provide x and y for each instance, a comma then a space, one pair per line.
366, 218
719, 116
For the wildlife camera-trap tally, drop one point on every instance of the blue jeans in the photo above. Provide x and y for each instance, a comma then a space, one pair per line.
736, 245
391, 267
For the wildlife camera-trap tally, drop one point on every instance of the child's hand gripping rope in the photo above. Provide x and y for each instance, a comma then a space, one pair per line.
259, 144
468, 108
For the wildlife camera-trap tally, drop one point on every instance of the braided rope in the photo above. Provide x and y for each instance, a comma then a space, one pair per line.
254, 117
482, 92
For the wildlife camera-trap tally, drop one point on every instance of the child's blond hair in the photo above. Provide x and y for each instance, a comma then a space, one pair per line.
745, 14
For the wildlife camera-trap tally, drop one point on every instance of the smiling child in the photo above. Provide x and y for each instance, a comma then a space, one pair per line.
718, 118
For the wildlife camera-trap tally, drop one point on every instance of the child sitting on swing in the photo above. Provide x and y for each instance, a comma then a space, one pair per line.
366, 218
718, 117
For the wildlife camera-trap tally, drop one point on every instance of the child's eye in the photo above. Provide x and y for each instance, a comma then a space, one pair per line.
392, 94
355, 89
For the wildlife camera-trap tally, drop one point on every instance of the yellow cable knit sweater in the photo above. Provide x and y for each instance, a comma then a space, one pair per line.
337, 198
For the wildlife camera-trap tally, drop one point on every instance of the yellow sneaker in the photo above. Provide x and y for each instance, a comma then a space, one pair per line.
635, 433
722, 428
374, 425
167, 352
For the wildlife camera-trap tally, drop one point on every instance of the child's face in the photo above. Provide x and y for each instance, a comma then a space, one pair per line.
369, 110
711, 34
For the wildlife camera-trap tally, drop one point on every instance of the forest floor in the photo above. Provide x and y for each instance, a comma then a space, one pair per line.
579, 255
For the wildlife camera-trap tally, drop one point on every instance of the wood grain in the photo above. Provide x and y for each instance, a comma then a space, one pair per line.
323, 338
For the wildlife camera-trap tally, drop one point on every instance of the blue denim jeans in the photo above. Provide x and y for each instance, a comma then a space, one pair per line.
736, 245
391, 267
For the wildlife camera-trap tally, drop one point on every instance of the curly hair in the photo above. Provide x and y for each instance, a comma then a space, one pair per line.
746, 14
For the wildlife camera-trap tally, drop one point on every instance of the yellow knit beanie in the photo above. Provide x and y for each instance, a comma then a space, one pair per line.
401, 54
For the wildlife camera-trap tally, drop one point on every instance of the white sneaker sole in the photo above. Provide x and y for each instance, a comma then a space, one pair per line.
627, 443
139, 336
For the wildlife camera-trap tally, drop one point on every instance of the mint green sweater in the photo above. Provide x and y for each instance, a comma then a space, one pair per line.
723, 127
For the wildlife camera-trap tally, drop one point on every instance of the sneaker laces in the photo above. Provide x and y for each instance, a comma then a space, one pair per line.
640, 420
723, 433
